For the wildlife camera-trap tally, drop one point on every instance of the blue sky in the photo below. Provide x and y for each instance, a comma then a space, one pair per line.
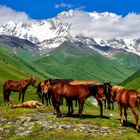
43, 9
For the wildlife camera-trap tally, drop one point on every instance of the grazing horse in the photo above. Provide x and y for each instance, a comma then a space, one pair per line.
17, 86
126, 98
72, 92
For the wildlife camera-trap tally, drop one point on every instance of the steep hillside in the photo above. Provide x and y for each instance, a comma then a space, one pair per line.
14, 67
71, 61
133, 82
20, 47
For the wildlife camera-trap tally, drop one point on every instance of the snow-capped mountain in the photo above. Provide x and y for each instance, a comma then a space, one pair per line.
76, 26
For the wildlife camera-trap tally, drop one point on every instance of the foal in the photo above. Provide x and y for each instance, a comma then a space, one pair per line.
127, 98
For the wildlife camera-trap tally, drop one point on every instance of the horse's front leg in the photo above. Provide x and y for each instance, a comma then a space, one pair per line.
8, 97
42, 98
49, 98
81, 105
58, 99
19, 96
104, 103
101, 107
46, 98
23, 96
70, 107
112, 102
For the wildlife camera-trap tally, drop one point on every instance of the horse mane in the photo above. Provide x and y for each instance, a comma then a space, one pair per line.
78, 82
117, 88
54, 81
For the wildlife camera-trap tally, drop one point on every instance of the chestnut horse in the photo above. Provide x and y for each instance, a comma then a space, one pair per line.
17, 86
43, 92
72, 92
107, 91
42, 89
126, 98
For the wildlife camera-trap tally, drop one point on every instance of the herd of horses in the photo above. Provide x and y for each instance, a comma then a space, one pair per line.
56, 89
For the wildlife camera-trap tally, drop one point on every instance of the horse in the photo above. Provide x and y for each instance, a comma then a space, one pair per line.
27, 104
108, 99
17, 86
126, 98
71, 92
43, 93
107, 91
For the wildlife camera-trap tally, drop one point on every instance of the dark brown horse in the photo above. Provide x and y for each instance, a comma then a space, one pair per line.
17, 86
72, 92
126, 98
108, 100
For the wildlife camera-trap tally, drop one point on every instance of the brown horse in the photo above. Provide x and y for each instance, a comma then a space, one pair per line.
72, 92
126, 98
42, 89
17, 86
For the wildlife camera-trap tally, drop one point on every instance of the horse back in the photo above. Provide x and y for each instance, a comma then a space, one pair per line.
127, 97
76, 90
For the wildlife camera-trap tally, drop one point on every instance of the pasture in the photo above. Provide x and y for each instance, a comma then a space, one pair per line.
41, 123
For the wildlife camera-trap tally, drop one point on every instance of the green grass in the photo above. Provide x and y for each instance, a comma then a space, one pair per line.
63, 134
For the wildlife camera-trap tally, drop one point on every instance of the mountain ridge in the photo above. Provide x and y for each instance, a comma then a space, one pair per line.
51, 33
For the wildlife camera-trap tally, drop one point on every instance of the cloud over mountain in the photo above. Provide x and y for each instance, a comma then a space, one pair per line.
103, 25
8, 14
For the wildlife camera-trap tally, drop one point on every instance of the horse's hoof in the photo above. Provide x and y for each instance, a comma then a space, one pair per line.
101, 116
59, 115
137, 130
81, 116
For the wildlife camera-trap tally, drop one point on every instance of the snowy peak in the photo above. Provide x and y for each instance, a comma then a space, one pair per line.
91, 29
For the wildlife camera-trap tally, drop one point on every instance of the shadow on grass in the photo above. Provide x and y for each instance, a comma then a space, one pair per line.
85, 116
130, 124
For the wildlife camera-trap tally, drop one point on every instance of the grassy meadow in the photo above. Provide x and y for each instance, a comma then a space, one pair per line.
13, 67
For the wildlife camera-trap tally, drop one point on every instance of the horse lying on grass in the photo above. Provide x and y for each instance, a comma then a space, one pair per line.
72, 92
17, 86
126, 98
27, 104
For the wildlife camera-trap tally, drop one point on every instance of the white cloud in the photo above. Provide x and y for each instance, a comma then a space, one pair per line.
63, 5
104, 25
7, 14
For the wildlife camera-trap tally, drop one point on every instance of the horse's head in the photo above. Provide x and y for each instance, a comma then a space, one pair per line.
33, 82
45, 86
115, 90
100, 92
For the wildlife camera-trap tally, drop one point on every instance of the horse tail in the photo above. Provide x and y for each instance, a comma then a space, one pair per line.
39, 90
138, 101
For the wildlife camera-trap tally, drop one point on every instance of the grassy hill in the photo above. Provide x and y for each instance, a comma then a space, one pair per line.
133, 82
65, 62
70, 61
13, 67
